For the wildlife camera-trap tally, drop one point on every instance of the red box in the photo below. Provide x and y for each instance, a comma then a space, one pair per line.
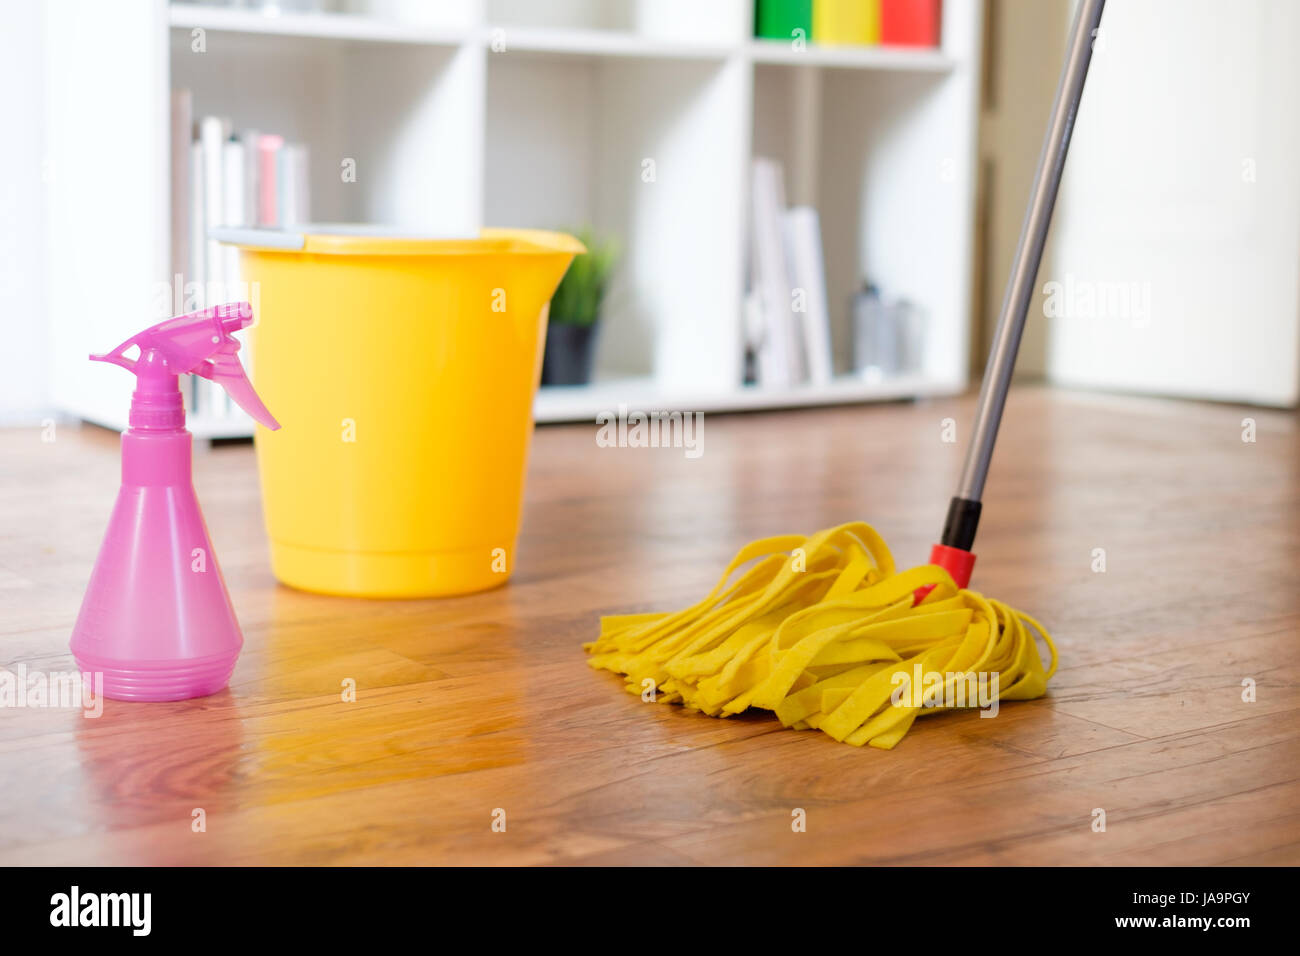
910, 22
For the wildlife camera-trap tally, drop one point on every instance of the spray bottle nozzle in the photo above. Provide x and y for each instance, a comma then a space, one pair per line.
235, 316
200, 343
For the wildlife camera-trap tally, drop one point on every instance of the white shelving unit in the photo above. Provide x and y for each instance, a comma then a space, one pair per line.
638, 117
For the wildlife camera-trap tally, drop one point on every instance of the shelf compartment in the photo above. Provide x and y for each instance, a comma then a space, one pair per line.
683, 23
343, 27
891, 189
547, 41
852, 58
406, 116
650, 153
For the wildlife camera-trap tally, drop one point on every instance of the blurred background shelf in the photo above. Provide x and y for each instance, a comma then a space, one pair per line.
317, 26
853, 58
584, 402
637, 118
464, 113
577, 42
544, 39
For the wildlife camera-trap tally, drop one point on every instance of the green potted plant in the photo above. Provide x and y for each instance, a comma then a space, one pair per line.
575, 313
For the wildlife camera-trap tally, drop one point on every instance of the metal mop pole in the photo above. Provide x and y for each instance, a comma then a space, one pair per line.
964, 510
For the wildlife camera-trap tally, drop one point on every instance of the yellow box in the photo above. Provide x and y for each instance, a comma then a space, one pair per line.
846, 22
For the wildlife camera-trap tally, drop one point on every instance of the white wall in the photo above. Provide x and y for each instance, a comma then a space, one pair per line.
24, 386
1182, 192
1025, 46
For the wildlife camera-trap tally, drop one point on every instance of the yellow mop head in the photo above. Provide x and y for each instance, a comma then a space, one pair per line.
822, 631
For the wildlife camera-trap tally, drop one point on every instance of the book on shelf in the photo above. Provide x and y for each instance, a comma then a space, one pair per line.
210, 398
803, 239
224, 176
182, 119
786, 319
913, 23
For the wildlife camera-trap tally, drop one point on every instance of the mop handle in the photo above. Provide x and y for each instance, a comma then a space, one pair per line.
964, 510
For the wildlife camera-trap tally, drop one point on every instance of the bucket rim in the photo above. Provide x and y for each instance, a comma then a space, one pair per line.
349, 239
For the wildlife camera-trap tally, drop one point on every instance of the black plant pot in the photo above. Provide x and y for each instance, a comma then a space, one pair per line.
569, 353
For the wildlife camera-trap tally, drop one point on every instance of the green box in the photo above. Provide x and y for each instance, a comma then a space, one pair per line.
778, 19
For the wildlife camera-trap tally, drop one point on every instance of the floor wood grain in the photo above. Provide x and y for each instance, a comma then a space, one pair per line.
485, 703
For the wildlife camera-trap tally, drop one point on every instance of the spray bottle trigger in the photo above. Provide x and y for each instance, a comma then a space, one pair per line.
226, 370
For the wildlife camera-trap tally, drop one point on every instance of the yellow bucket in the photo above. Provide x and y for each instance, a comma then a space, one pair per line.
402, 372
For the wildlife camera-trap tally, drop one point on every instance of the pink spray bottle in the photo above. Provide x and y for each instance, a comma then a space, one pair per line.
156, 620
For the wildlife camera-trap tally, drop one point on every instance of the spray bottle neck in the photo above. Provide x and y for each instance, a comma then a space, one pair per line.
156, 403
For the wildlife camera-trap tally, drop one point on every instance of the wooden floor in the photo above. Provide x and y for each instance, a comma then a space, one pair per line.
484, 703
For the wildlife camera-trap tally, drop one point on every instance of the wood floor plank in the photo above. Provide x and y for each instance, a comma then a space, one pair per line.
470, 706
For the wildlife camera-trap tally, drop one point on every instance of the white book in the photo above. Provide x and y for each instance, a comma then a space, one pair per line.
212, 143
212, 139
249, 138
239, 208
779, 364
234, 202
182, 123
234, 197
196, 275
293, 197
803, 242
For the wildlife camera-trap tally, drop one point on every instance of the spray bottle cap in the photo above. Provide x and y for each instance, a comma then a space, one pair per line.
200, 343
